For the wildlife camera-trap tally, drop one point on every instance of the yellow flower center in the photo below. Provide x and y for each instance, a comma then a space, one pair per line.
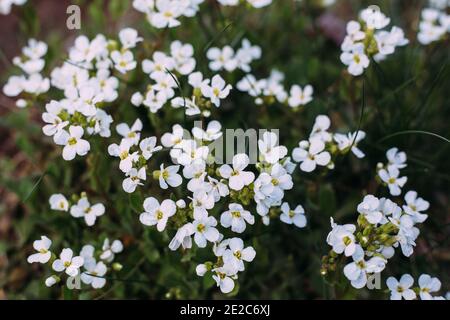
236, 214
72, 141
201, 227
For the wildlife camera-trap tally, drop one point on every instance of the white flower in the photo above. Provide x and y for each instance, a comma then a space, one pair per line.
132, 134
350, 140
392, 179
213, 131
123, 61
84, 209
123, 152
59, 202
270, 151
173, 139
190, 153
167, 13
156, 214
108, 251
319, 131
355, 59
129, 38
237, 254
246, 54
217, 90
196, 173
370, 209
374, 18
169, 176
67, 262
134, 179
396, 158
238, 178
414, 206
296, 216
94, 275
341, 238
222, 59
300, 97
183, 56
236, 217
72, 142
428, 285
42, 247
54, 122
310, 154
182, 237
202, 201
223, 279
357, 270
401, 289
204, 228
160, 63
148, 147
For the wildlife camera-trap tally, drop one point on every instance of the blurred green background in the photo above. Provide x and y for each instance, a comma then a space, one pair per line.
409, 91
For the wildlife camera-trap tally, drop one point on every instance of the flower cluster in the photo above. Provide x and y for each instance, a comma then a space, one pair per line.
271, 89
194, 216
227, 59
6, 5
88, 85
389, 173
382, 225
32, 84
134, 154
402, 289
164, 71
91, 271
322, 145
366, 39
80, 208
166, 13
435, 22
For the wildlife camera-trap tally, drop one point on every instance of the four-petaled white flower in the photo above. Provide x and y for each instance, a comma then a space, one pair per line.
42, 247
169, 176
310, 154
414, 206
300, 97
204, 229
401, 289
94, 275
355, 59
68, 263
237, 254
236, 217
217, 90
370, 208
157, 214
296, 216
72, 142
134, 178
357, 270
427, 285
83, 209
237, 177
392, 179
